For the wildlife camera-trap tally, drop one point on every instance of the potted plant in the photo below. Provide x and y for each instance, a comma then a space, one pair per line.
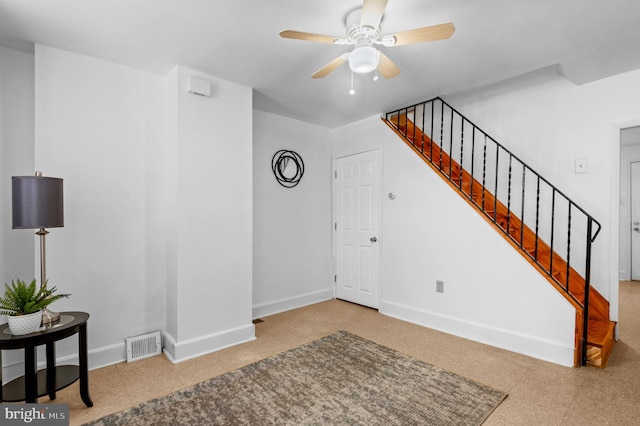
24, 303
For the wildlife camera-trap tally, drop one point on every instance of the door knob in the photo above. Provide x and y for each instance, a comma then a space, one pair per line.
373, 239
636, 229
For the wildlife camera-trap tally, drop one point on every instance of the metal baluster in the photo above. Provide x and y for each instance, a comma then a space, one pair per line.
495, 194
406, 123
568, 245
461, 149
441, 135
473, 160
537, 218
424, 107
509, 198
524, 174
433, 107
451, 146
553, 224
413, 139
484, 170
587, 291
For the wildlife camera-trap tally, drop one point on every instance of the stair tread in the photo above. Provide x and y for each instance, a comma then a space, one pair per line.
600, 332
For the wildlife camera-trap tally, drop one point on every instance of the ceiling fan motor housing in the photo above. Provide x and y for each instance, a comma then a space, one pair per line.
358, 34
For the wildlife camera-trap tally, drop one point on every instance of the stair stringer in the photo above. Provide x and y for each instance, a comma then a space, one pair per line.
485, 298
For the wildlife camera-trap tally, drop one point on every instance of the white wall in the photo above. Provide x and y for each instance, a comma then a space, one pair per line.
99, 126
158, 203
429, 234
291, 226
158, 200
16, 159
550, 122
17, 247
209, 209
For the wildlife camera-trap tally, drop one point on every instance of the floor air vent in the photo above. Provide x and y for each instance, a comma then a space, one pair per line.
144, 346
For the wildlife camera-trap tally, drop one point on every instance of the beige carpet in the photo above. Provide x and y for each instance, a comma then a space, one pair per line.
341, 379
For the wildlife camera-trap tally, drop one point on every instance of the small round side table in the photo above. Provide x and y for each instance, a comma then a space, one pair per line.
35, 383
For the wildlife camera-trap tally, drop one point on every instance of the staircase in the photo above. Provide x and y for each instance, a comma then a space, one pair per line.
550, 231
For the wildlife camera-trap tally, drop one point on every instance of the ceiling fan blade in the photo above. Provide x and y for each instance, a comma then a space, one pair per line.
419, 35
318, 38
372, 11
387, 68
324, 71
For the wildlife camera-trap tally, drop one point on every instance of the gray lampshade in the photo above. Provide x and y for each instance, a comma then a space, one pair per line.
37, 202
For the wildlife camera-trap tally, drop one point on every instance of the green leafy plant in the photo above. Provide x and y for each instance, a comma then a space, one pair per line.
21, 299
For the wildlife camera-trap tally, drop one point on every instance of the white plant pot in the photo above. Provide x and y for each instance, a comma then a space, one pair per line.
25, 324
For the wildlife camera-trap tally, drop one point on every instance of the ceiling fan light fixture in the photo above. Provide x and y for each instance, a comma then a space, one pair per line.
364, 59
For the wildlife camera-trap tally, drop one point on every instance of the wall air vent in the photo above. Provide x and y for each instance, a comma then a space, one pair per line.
144, 346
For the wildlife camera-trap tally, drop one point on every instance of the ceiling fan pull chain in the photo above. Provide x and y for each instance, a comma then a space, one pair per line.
352, 92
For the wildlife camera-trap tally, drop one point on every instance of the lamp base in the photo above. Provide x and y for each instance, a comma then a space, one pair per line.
49, 317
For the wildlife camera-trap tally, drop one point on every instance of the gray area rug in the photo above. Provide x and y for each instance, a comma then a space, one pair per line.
341, 379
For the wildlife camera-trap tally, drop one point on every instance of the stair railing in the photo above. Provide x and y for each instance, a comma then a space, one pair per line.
492, 178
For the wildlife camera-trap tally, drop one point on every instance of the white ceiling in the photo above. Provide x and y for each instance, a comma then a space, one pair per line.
238, 40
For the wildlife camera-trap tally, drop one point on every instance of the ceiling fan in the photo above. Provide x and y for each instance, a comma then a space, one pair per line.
363, 32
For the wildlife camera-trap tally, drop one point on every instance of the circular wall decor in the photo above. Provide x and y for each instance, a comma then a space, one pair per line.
287, 167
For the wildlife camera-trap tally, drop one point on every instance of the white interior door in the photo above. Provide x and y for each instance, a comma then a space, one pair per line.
635, 221
356, 228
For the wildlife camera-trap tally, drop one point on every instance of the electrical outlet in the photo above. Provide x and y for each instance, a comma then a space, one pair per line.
439, 286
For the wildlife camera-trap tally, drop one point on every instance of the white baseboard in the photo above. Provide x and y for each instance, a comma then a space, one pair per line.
531, 346
98, 358
275, 307
107, 355
183, 351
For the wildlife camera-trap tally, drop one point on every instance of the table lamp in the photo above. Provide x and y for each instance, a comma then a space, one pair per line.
37, 204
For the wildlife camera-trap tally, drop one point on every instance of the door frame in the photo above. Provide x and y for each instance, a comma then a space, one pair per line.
630, 217
334, 203
617, 164
627, 156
